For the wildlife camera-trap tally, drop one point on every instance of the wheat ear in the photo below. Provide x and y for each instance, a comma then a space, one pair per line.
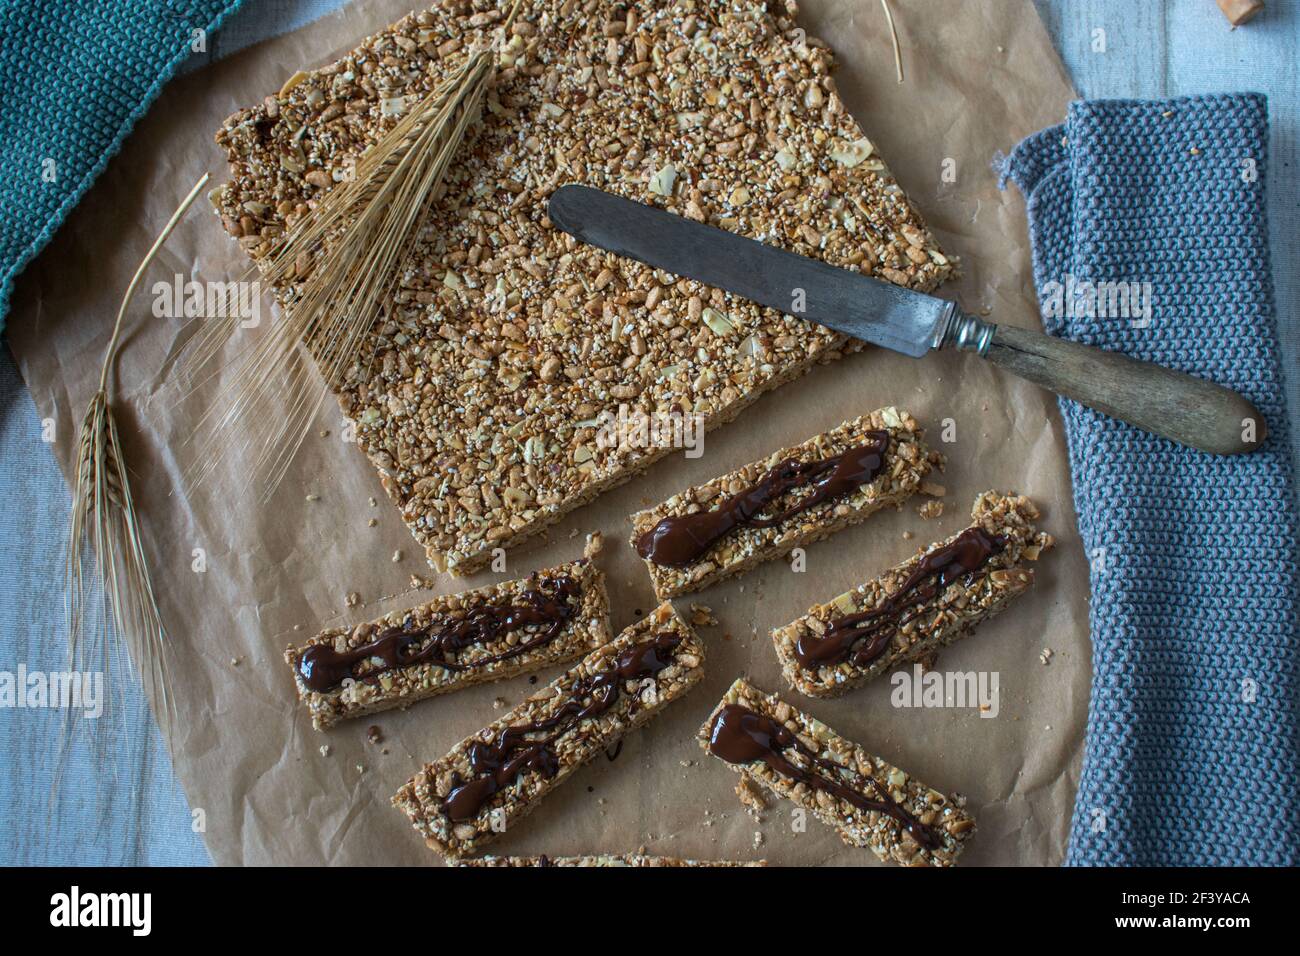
337, 267
104, 522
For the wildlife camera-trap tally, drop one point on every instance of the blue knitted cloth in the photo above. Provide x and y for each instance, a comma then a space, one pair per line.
76, 76
1190, 756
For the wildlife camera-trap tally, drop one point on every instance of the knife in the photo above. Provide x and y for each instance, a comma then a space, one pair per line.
1184, 409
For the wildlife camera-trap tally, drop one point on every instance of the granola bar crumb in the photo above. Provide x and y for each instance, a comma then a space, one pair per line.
930, 510
751, 795
702, 615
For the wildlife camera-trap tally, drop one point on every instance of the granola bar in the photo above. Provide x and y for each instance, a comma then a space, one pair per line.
624, 859
494, 778
913, 609
918, 606
793, 497
481, 389
454, 641
870, 803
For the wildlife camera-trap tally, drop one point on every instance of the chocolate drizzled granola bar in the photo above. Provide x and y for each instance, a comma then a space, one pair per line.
793, 497
453, 641
870, 803
913, 609
478, 393
624, 859
494, 778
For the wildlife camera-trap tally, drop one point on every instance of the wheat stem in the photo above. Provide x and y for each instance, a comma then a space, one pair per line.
104, 522
893, 36
111, 352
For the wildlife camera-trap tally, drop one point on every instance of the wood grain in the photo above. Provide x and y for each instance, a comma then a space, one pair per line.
1191, 411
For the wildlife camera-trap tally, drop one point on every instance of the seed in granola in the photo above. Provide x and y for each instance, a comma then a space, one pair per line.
663, 181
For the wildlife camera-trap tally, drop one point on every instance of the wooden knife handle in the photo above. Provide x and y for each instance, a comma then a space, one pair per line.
1188, 410
1240, 12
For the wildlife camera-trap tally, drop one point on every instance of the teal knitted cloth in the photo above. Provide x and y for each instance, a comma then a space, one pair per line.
77, 75
1191, 750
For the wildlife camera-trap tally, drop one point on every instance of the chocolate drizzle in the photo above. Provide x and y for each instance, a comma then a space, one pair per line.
963, 556
322, 668
741, 736
495, 765
680, 540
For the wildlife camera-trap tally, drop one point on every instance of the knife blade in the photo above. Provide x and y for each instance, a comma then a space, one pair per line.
1177, 406
857, 305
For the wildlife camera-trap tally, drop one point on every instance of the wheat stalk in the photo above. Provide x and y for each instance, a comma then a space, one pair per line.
104, 523
893, 36
345, 256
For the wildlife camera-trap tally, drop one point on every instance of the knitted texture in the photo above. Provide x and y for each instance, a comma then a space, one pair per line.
1190, 757
77, 75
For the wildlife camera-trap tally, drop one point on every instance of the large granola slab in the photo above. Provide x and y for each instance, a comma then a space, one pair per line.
480, 389
454, 641
493, 779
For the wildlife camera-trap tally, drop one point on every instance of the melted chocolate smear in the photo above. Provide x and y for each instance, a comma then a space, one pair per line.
322, 668
863, 637
741, 736
612, 754
495, 765
680, 540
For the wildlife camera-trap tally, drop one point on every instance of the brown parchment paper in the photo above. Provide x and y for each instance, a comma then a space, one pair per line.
979, 77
